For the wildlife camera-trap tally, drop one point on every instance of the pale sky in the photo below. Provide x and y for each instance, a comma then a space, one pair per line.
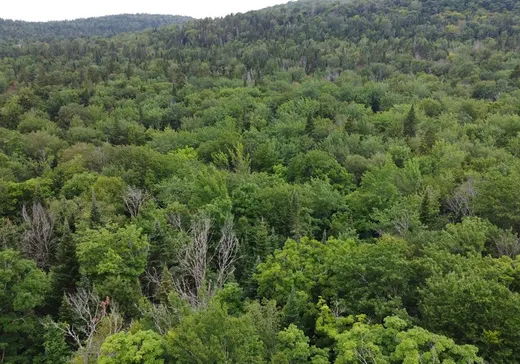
44, 10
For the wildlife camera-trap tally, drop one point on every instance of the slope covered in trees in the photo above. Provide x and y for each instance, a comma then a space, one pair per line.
105, 26
321, 182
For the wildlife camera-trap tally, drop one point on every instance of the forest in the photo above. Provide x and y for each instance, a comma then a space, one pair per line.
316, 182
18, 32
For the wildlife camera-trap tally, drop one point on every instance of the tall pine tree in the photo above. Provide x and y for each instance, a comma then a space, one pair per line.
410, 123
95, 214
65, 273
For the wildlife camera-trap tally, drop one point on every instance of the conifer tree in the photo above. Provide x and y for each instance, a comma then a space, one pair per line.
65, 272
410, 123
95, 215
429, 209
515, 74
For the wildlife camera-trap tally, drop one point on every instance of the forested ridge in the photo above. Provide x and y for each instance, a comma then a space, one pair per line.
18, 31
316, 182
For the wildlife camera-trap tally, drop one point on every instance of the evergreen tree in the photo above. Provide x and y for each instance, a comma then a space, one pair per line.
515, 74
95, 214
65, 273
166, 286
57, 351
65, 312
309, 125
429, 209
428, 140
375, 102
410, 123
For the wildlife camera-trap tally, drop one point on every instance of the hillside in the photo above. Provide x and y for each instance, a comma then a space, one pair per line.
316, 182
105, 26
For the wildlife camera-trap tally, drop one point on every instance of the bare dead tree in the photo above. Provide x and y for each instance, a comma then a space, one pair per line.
163, 317
134, 199
197, 257
227, 252
194, 285
507, 244
194, 260
153, 278
38, 241
175, 220
364, 353
87, 309
460, 202
90, 314
98, 158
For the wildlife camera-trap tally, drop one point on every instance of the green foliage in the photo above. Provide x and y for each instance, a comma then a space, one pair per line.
318, 164
365, 152
56, 348
266, 321
479, 309
410, 123
144, 347
113, 259
102, 26
213, 336
293, 347
497, 199
23, 289
393, 342
378, 191
431, 107
112, 251
292, 275
65, 272
375, 279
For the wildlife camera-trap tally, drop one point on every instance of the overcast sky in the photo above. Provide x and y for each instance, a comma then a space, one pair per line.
43, 10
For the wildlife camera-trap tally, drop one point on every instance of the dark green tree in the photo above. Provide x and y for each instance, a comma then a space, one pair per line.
410, 123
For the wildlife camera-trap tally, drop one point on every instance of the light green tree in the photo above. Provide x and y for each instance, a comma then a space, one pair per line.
394, 342
141, 347
112, 259
213, 336
23, 289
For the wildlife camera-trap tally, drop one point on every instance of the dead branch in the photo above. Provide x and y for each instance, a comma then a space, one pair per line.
507, 244
89, 311
153, 278
461, 200
175, 220
227, 252
134, 199
90, 314
38, 241
163, 317
193, 262
194, 285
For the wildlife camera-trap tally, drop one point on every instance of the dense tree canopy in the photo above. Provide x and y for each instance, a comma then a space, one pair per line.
105, 26
316, 182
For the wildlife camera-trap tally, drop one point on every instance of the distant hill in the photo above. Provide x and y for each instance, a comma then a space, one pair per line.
15, 30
